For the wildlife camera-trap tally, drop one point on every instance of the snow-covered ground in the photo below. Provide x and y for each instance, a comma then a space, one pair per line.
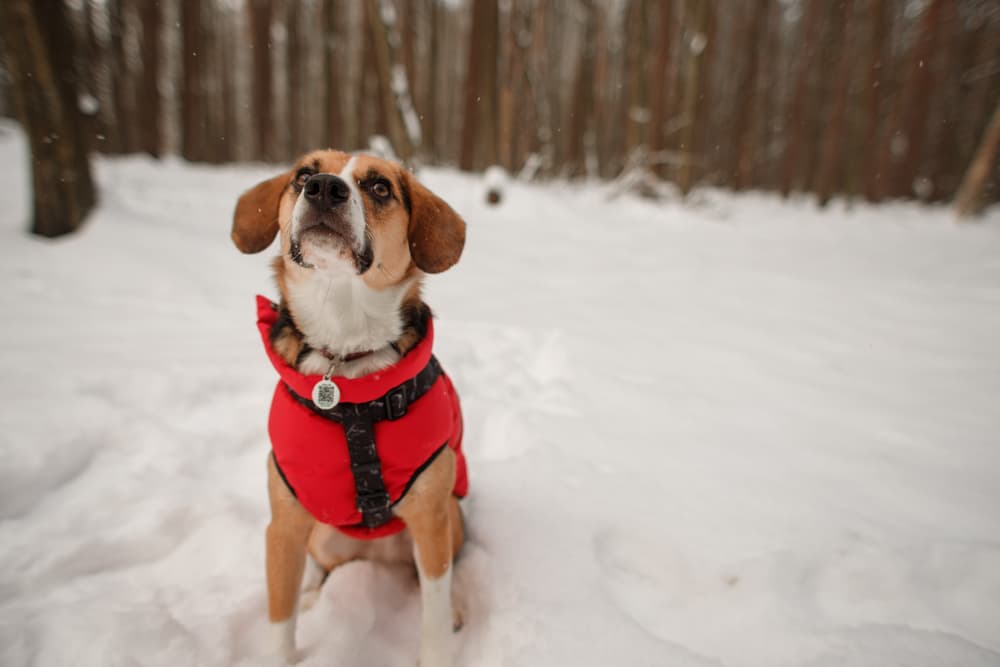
734, 432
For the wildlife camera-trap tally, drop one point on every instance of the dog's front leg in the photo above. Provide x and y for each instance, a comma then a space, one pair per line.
287, 535
427, 511
432, 551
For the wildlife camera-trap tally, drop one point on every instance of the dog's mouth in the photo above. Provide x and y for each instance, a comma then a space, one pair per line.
324, 240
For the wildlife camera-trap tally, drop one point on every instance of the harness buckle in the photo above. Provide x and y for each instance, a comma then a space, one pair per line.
395, 403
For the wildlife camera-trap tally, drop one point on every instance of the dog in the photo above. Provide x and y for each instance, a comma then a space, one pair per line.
365, 427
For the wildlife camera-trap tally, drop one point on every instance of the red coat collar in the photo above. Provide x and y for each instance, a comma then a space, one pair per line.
357, 390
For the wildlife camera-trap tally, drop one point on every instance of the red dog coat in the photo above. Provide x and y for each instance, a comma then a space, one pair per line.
311, 450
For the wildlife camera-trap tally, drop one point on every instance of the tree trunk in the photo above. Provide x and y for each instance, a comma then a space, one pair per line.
873, 88
743, 129
538, 138
296, 94
149, 94
661, 81
580, 135
39, 57
225, 72
333, 82
834, 136
394, 86
510, 56
941, 162
263, 89
432, 107
970, 198
699, 26
795, 127
901, 148
479, 125
637, 94
192, 113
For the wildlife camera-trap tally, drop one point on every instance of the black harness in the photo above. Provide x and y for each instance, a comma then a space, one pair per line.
358, 421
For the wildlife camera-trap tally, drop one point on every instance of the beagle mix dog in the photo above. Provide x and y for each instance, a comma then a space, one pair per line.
357, 236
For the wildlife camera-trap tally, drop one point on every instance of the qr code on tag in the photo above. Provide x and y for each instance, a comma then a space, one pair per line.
326, 395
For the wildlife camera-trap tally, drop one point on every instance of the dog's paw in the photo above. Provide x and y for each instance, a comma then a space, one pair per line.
280, 643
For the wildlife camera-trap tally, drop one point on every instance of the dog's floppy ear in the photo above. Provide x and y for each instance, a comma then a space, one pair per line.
255, 221
436, 232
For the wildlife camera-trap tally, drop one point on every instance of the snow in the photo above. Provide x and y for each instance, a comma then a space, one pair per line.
88, 104
737, 431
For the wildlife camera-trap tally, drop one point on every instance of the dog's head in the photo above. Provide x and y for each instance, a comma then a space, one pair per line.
358, 214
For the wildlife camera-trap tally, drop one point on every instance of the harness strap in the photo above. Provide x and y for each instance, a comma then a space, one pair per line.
358, 420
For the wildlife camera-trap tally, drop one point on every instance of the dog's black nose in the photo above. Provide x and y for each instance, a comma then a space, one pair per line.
326, 191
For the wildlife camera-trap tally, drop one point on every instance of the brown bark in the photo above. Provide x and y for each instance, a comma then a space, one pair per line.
39, 49
296, 94
509, 57
262, 109
795, 127
834, 135
906, 125
941, 161
433, 106
119, 138
395, 101
606, 97
874, 87
580, 134
479, 124
148, 101
743, 119
970, 200
539, 141
699, 25
637, 96
225, 54
192, 118
334, 56
661, 81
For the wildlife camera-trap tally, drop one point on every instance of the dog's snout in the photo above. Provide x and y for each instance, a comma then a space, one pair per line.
326, 191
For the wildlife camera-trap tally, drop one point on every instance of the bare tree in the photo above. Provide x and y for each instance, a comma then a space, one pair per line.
122, 137
479, 124
39, 49
263, 89
294, 65
334, 55
699, 30
636, 109
743, 118
581, 131
148, 102
662, 80
795, 125
906, 124
192, 112
402, 121
873, 87
834, 135
970, 196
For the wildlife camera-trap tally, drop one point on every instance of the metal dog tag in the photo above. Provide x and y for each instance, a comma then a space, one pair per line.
326, 394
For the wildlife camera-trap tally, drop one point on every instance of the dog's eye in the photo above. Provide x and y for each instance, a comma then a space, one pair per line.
301, 176
380, 189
